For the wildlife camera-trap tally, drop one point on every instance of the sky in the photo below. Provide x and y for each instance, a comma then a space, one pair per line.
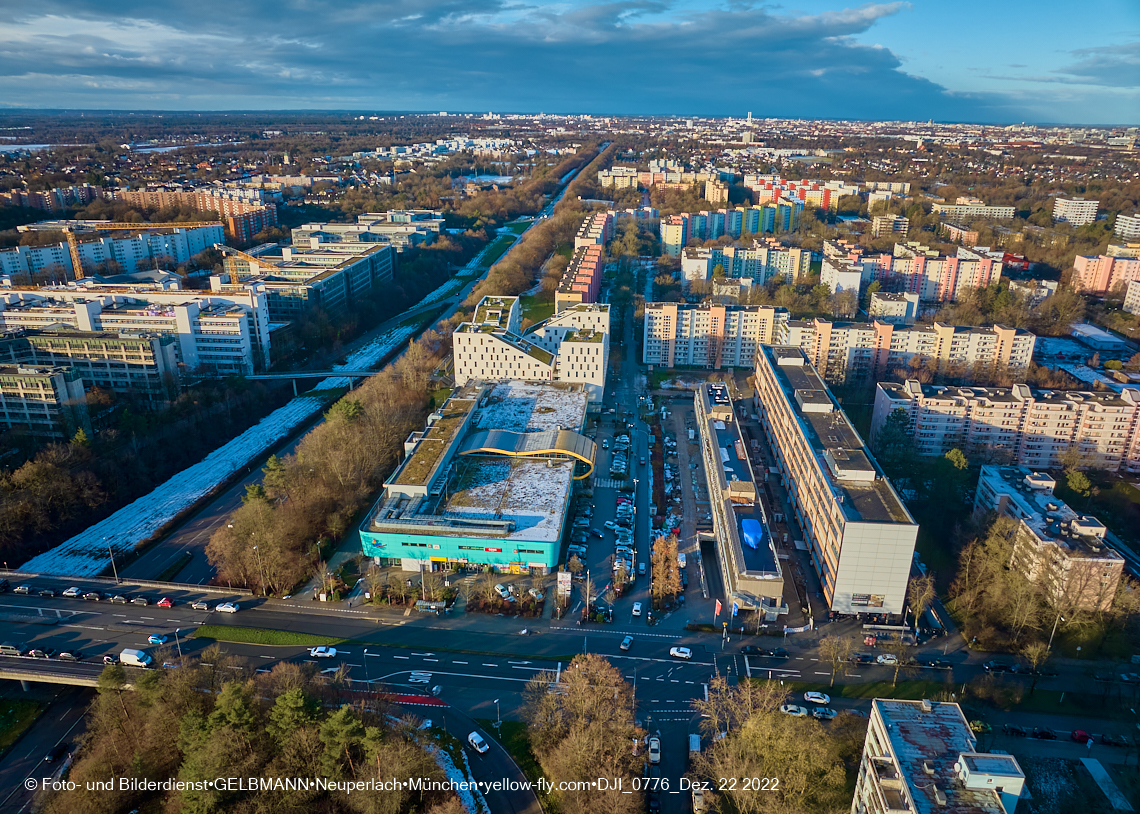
1001, 61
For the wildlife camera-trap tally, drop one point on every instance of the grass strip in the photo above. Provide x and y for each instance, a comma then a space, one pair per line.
16, 716
172, 570
260, 635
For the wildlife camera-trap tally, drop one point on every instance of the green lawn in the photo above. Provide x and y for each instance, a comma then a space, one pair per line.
497, 250
537, 309
16, 715
258, 635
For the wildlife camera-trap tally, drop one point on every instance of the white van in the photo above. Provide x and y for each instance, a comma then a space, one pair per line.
681, 559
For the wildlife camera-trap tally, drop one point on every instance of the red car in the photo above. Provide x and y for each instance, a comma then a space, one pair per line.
1080, 736
166, 602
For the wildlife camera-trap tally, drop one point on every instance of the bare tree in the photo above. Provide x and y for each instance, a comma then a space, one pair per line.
899, 647
835, 650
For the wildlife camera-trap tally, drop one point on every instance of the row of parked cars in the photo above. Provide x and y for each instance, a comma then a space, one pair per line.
619, 461
75, 592
1077, 735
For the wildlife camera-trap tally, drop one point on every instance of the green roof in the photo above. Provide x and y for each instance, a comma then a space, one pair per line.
438, 437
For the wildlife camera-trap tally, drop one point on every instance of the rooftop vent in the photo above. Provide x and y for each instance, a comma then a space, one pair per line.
926, 705
939, 796
928, 767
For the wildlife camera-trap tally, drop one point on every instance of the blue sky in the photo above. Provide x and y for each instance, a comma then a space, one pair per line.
950, 60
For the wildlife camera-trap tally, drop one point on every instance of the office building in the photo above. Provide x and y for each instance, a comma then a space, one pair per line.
46, 403
922, 757
764, 260
243, 217
298, 279
1132, 297
889, 225
708, 336
1102, 274
841, 351
140, 365
150, 248
400, 228
965, 208
1017, 425
674, 234
746, 553
571, 346
1054, 547
960, 234
582, 280
859, 535
1127, 227
487, 482
1074, 211
899, 309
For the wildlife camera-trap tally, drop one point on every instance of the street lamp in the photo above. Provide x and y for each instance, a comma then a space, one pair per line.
498, 718
112, 556
366, 672
178, 643
1059, 618
260, 570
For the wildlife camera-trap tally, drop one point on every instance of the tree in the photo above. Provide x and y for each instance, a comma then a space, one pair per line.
899, 647
1079, 483
718, 272
1036, 654
835, 650
920, 593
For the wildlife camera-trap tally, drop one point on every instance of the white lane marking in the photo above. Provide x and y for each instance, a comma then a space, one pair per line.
267, 657
431, 659
485, 664
405, 658
458, 662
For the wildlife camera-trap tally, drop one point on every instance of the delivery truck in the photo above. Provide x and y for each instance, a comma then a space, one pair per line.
135, 658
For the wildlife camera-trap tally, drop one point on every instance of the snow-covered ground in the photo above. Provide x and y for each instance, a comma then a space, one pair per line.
85, 554
472, 798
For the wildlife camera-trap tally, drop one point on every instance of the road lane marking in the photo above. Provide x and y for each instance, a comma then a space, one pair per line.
489, 665
398, 657
431, 659
267, 657
458, 662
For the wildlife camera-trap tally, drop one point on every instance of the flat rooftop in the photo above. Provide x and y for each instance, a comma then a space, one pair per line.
866, 493
999, 395
522, 407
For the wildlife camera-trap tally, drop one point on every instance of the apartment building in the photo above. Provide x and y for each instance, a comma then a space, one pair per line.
401, 228
1054, 547
859, 535
47, 403
674, 234
841, 351
582, 280
227, 333
709, 336
889, 225
922, 756
840, 274
1101, 274
911, 268
140, 365
1127, 227
746, 552
1132, 297
572, 346
716, 192
53, 200
899, 309
765, 259
966, 208
596, 230
243, 217
960, 234
1074, 211
1018, 425
148, 248
297, 279
1034, 291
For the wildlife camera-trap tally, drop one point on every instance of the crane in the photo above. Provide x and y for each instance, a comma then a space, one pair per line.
253, 260
71, 229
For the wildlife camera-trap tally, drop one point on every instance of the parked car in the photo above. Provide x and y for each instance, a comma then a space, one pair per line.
536, 594
654, 750
166, 602
1014, 730
200, 604
139, 600
980, 727
1043, 733
889, 659
863, 658
502, 591
817, 698
999, 667
40, 653
637, 609
23, 590
93, 596
73, 593
158, 638
1080, 736
323, 652
1113, 740
69, 655
611, 525
228, 607
794, 710
824, 713
680, 652
626, 643
119, 599
47, 592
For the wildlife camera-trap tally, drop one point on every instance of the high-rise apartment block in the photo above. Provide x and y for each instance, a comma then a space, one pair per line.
674, 234
1018, 425
53, 200
1132, 297
889, 225
596, 230
922, 756
1054, 547
582, 280
1127, 227
709, 336
1074, 211
1101, 274
912, 268
885, 306
966, 208
46, 402
762, 261
859, 533
960, 234
571, 346
243, 217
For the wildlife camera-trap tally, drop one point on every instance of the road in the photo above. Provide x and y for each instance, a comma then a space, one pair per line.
62, 721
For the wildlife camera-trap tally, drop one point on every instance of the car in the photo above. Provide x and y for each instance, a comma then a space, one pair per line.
637, 609
200, 604
933, 662
1080, 736
55, 753
158, 638
47, 592
1043, 733
817, 698
998, 667
227, 607
110, 660
680, 652
654, 750
536, 594
794, 710
605, 443
24, 590
863, 658
823, 713
980, 727
139, 600
626, 643
477, 743
323, 652
93, 596
1014, 730
119, 599
166, 602
888, 659
611, 525
73, 593
752, 650
40, 653
69, 655
598, 533
1113, 740
641, 569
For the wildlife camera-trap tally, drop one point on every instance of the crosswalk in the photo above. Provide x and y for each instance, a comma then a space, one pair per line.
609, 483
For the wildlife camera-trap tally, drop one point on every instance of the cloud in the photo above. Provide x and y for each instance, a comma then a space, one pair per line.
1112, 65
640, 56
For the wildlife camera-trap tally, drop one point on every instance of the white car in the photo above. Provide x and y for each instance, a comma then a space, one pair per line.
323, 652
73, 593
611, 525
654, 750
637, 609
794, 711
680, 652
817, 698
477, 743
228, 607
824, 713
888, 659
626, 643
502, 591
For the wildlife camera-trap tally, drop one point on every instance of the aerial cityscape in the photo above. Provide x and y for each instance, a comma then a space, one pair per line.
446, 410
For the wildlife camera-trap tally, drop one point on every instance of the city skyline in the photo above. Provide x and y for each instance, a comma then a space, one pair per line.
823, 59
